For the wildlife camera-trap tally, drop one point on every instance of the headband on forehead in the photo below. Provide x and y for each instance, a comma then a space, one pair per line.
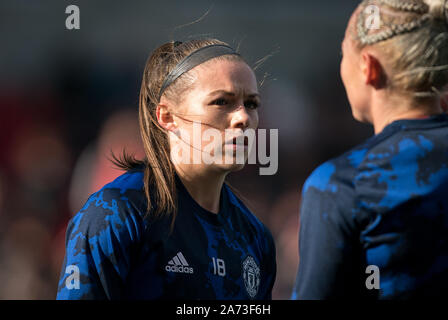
194, 59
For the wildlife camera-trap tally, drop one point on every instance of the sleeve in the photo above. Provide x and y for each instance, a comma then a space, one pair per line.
331, 263
100, 243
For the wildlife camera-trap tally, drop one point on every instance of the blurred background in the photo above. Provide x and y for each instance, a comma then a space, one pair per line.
69, 97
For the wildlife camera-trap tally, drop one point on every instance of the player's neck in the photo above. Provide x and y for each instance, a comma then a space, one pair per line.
204, 186
384, 112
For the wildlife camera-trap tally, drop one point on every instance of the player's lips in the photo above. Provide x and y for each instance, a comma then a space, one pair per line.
238, 141
241, 142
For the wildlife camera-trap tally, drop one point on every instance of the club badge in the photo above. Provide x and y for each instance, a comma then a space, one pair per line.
251, 276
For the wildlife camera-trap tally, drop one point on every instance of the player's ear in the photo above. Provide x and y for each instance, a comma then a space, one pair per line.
372, 71
165, 117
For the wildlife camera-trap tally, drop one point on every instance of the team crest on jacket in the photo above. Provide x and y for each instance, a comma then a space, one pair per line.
251, 276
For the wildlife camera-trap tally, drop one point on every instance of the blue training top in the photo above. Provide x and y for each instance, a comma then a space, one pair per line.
384, 203
122, 254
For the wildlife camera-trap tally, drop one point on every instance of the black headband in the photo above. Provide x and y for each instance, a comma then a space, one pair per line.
194, 59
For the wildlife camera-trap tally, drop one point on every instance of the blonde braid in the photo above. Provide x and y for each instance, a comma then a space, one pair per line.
419, 58
406, 6
396, 29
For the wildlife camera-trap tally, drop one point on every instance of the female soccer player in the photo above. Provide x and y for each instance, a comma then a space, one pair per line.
374, 221
170, 228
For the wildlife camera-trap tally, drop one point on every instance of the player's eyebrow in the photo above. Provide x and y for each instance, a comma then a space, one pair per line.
229, 93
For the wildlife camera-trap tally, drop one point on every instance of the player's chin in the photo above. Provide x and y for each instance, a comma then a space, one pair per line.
360, 111
232, 167
237, 167
360, 117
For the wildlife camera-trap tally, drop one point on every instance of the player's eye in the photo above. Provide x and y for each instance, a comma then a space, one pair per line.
220, 102
251, 104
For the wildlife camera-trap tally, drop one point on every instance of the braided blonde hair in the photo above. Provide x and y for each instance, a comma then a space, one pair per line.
414, 36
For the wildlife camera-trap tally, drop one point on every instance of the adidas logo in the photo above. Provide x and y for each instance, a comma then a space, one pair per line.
178, 264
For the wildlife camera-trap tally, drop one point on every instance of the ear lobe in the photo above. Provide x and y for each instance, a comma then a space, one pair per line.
372, 70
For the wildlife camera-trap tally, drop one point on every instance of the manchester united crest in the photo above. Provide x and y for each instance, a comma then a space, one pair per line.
251, 276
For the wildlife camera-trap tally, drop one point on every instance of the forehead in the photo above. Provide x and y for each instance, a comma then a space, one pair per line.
222, 74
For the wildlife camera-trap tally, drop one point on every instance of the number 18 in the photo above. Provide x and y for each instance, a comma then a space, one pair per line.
219, 267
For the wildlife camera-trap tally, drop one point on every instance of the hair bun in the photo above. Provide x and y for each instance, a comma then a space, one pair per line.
438, 9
